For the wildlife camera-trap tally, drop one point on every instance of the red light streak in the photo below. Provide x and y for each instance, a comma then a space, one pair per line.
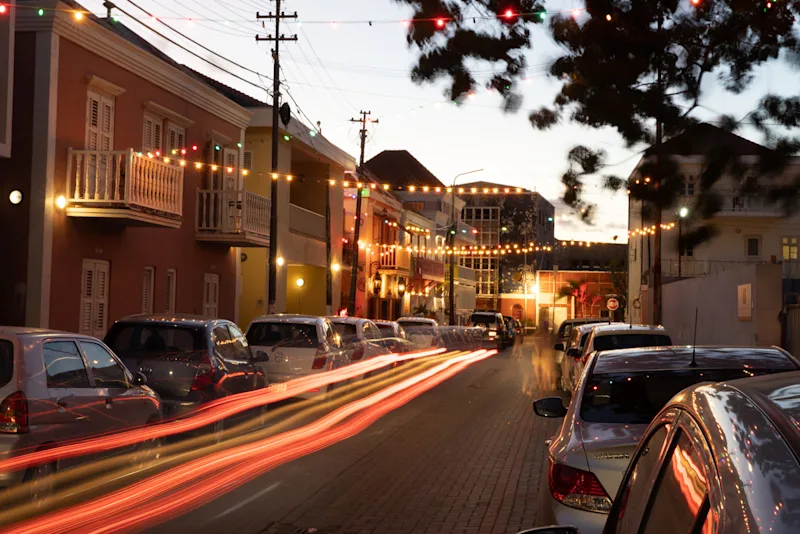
123, 509
207, 414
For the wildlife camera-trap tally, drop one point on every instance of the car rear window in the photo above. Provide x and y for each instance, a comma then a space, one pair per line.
293, 335
636, 398
386, 330
347, 332
6, 361
137, 338
631, 341
483, 318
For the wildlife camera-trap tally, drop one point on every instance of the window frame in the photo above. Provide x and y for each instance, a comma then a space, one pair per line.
125, 372
747, 246
786, 242
81, 357
152, 145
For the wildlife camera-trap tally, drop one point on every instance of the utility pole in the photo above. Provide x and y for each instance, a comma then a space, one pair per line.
657, 241
351, 307
276, 101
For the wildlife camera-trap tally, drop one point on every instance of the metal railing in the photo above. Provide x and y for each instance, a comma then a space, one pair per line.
122, 178
306, 223
232, 211
748, 205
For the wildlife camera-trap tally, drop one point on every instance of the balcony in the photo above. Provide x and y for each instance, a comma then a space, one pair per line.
747, 206
427, 269
307, 223
690, 268
395, 259
234, 217
122, 186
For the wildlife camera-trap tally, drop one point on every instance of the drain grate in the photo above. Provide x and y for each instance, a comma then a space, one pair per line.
286, 528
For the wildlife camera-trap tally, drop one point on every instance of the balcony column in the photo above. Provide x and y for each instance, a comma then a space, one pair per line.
285, 244
42, 212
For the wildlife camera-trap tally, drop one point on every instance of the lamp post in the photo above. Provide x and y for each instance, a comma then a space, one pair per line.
453, 229
682, 213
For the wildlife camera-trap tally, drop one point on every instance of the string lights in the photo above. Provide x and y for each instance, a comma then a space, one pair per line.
650, 230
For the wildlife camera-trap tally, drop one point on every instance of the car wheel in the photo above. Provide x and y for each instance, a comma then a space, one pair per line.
41, 483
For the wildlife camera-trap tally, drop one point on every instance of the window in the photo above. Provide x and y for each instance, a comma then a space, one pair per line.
94, 298
176, 137
172, 280
753, 246
290, 335
139, 340
688, 185
680, 492
148, 279
247, 160
240, 347
789, 248
633, 500
99, 122
346, 331
211, 295
106, 371
151, 138
687, 251
223, 343
330, 336
64, 365
630, 341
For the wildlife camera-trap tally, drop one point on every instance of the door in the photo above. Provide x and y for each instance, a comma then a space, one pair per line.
94, 298
123, 405
75, 412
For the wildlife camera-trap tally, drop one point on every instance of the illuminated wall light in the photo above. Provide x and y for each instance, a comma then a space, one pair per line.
336, 267
78, 15
61, 202
15, 196
245, 172
300, 282
332, 182
280, 261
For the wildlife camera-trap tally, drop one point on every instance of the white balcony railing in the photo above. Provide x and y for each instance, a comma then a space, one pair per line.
234, 216
395, 258
123, 179
690, 267
306, 223
748, 206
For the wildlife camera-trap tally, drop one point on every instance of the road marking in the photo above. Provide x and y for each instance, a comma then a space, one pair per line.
248, 501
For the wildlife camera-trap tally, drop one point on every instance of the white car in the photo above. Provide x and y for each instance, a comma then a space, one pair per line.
618, 395
422, 331
359, 337
290, 346
571, 351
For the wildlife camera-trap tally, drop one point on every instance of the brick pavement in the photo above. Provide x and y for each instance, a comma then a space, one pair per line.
465, 457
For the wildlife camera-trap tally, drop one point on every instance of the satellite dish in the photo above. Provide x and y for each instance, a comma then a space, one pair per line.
286, 113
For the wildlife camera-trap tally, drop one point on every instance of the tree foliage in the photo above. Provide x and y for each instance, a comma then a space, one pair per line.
626, 65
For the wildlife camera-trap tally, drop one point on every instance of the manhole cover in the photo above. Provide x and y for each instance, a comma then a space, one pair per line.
285, 528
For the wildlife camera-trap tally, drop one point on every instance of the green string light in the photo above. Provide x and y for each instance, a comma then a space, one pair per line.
41, 11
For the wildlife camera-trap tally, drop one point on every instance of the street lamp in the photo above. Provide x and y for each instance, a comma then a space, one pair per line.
377, 283
682, 213
452, 236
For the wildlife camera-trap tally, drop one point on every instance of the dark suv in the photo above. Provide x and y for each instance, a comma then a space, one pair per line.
493, 325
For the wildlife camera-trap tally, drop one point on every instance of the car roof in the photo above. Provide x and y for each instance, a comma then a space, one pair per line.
580, 320
176, 318
288, 318
614, 328
680, 357
417, 320
347, 320
385, 323
585, 328
27, 330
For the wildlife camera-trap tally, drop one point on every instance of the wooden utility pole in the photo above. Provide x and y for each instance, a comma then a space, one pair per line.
658, 179
351, 308
276, 101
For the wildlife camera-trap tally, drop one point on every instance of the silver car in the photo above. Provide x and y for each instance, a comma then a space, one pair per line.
719, 458
618, 396
57, 387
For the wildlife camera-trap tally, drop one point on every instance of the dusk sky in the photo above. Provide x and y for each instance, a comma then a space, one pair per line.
335, 70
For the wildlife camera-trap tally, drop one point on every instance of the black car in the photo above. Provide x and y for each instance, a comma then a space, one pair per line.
188, 360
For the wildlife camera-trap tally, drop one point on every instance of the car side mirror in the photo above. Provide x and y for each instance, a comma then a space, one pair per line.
556, 529
262, 356
139, 379
574, 353
559, 347
550, 407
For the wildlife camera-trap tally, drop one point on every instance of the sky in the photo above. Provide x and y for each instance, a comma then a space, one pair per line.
336, 69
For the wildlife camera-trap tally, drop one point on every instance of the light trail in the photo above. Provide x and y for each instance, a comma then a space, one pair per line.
207, 414
147, 501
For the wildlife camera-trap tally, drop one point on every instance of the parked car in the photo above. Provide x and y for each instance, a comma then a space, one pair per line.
44, 369
565, 328
359, 337
292, 346
618, 396
571, 355
390, 329
422, 331
511, 331
188, 360
494, 327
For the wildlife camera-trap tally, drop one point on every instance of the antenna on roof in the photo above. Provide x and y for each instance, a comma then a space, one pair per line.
694, 341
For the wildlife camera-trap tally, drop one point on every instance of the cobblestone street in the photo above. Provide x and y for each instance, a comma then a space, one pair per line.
465, 457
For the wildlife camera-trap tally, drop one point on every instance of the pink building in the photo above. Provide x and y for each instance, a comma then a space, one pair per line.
103, 230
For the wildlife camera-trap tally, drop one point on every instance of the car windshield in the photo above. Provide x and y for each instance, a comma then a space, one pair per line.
636, 398
142, 338
283, 334
346, 331
631, 341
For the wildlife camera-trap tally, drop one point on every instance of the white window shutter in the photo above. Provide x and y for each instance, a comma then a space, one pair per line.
172, 280
147, 134
211, 295
93, 112
100, 322
87, 290
148, 279
157, 135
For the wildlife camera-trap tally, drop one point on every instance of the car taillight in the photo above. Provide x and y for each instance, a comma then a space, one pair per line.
204, 378
358, 353
321, 357
14, 414
577, 488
